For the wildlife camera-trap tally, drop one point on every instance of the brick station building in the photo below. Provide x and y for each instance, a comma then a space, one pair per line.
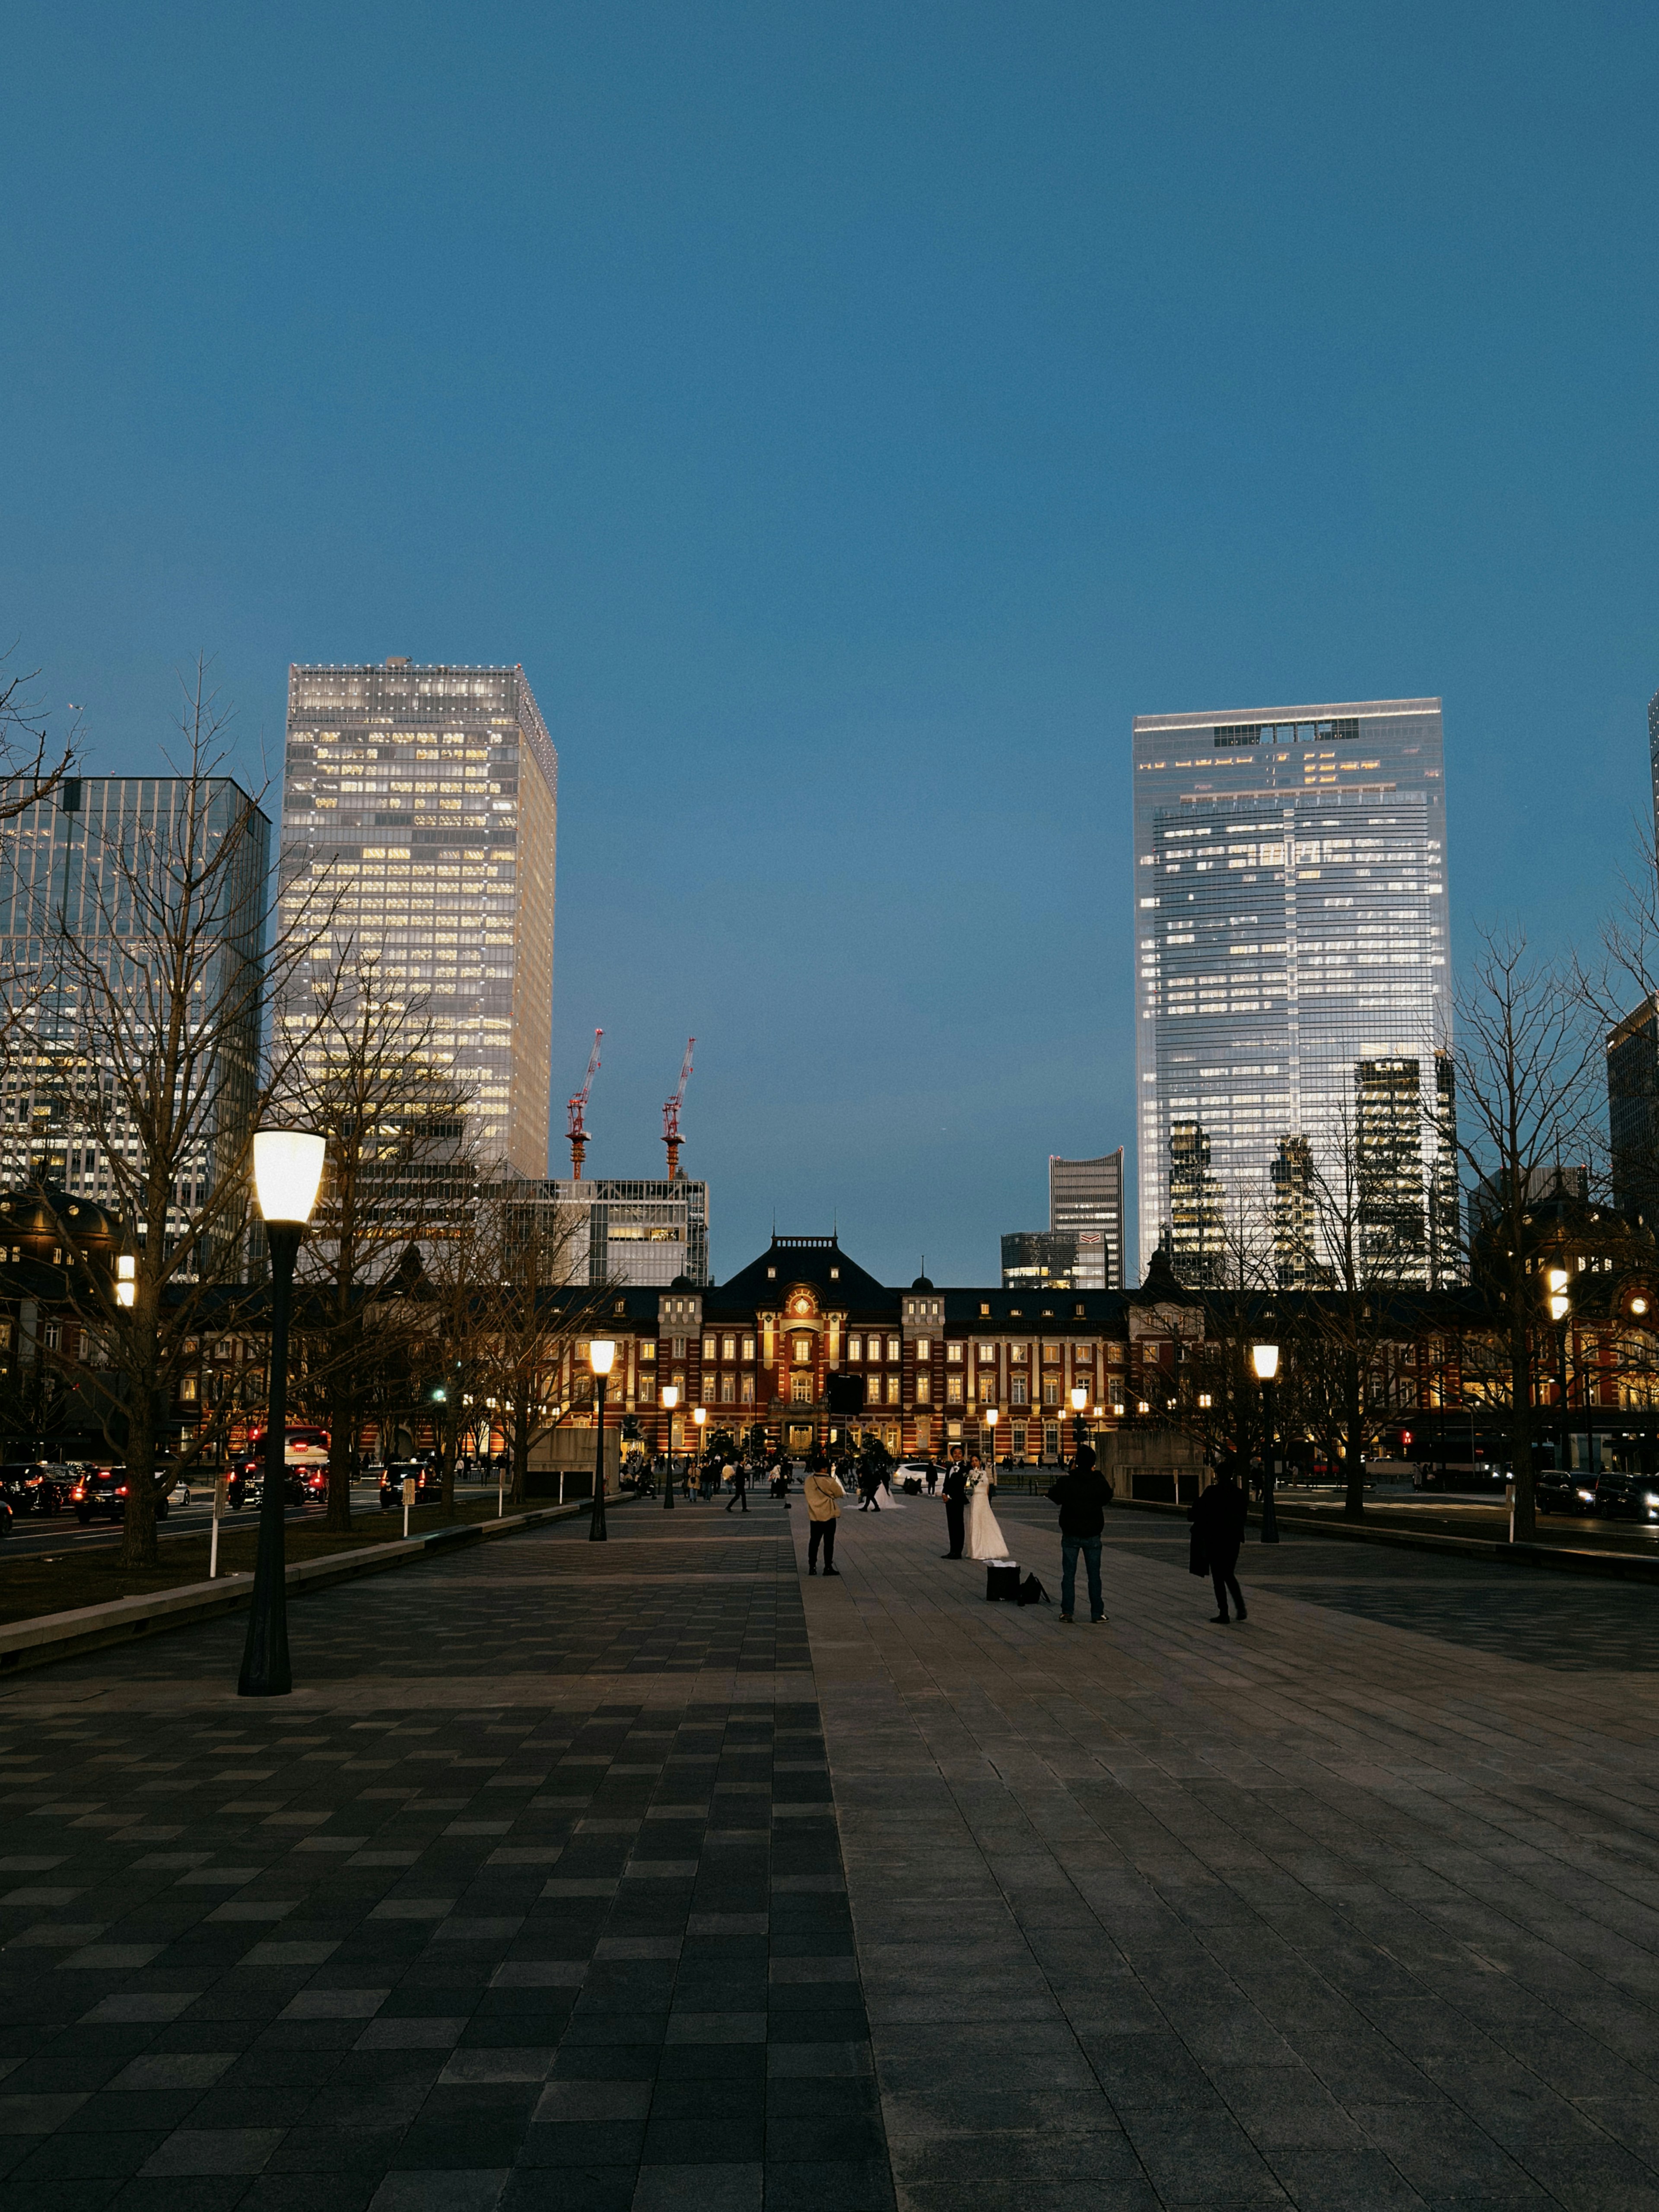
918, 1367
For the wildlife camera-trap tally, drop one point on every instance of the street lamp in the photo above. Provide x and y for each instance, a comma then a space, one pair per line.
1264, 1357
1560, 1305
700, 1414
991, 1415
1079, 1399
671, 1398
600, 1355
126, 1279
288, 1166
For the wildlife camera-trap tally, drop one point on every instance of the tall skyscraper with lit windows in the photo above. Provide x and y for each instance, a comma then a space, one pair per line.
428, 800
1294, 991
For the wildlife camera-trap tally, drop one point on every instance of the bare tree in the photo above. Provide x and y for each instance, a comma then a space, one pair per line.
532, 1303
154, 974
1527, 1062
396, 1172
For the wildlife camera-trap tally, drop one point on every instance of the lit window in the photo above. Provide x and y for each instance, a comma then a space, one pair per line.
924, 1349
953, 1355
892, 1390
855, 1347
802, 1351
749, 1347
987, 1355
895, 1349
708, 1348
1050, 1393
1016, 1353
872, 1390
747, 1393
924, 1389
728, 1348
728, 1390
953, 1390
801, 1389
1016, 1391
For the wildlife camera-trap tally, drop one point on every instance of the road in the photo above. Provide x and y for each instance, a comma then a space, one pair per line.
63, 1534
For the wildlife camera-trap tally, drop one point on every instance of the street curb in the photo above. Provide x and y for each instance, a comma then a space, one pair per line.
53, 1636
1621, 1566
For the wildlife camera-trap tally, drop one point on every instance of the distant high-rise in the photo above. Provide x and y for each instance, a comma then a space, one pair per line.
1293, 994
102, 860
427, 798
1085, 1198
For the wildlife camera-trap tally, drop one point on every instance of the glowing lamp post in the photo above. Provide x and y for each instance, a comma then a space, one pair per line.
287, 1167
1079, 1399
126, 1279
991, 1414
1560, 1306
1264, 1357
601, 1357
671, 1398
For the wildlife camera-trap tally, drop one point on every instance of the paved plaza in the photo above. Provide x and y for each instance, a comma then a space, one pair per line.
656, 1875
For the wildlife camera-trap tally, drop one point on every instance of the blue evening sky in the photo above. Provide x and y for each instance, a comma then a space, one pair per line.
851, 416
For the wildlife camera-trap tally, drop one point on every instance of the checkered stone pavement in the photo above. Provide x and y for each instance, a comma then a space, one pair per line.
531, 1896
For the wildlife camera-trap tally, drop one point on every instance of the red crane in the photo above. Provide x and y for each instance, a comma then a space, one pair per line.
671, 1113
575, 1127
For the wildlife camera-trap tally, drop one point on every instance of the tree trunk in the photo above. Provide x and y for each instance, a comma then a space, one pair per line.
449, 1435
341, 1452
1526, 1513
520, 1447
138, 1523
1353, 1505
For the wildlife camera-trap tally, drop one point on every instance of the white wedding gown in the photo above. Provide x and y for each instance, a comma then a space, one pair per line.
985, 1539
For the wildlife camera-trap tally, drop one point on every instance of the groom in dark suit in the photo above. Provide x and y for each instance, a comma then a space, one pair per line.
955, 1506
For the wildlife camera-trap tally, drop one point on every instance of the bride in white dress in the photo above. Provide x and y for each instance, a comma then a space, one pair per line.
985, 1539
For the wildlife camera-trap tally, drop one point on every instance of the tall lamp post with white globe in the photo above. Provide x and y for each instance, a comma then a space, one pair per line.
601, 1357
671, 1398
1264, 1357
287, 1167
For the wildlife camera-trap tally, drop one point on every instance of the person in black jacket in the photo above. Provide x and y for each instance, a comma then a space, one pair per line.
1217, 1519
1082, 1497
955, 1506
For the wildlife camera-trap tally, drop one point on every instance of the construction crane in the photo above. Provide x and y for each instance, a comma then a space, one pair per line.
576, 1127
671, 1113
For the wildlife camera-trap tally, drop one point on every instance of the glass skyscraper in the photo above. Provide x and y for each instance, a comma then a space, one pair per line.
1294, 991
101, 863
426, 801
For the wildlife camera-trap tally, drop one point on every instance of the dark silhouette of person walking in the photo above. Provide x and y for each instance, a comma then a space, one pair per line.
1082, 1497
737, 1476
1217, 1517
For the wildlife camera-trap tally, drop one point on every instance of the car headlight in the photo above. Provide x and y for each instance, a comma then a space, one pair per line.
1587, 1495
1650, 1497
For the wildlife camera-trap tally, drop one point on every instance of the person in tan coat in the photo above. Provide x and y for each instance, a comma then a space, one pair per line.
823, 1493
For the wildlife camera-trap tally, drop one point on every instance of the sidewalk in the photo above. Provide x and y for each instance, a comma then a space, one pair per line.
529, 1897
1326, 1910
533, 1896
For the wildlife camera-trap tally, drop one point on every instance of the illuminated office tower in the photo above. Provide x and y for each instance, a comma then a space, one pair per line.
1293, 997
427, 800
1085, 1198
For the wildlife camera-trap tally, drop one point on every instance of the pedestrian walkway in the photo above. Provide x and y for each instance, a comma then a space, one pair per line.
533, 1895
1351, 1906
529, 1897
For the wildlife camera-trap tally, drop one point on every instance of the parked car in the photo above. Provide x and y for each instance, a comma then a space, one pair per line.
1628, 1496
429, 1483
41, 1487
1571, 1491
102, 1491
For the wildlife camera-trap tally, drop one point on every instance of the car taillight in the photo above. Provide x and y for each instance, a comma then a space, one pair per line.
122, 1491
79, 1490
